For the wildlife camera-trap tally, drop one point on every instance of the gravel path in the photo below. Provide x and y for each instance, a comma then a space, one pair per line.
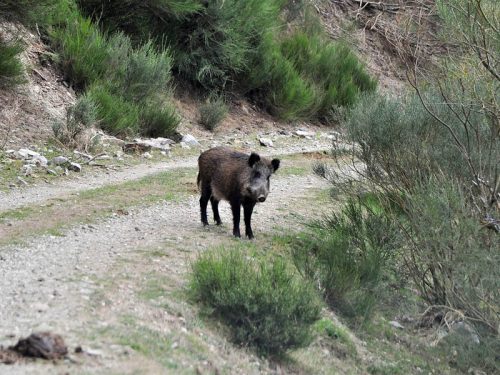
48, 283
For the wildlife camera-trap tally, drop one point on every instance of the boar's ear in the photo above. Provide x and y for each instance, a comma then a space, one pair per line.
254, 158
276, 164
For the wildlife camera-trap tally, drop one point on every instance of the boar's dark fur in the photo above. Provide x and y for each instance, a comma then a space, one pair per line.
241, 179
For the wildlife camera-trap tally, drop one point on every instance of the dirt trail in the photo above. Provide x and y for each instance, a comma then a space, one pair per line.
26, 196
50, 282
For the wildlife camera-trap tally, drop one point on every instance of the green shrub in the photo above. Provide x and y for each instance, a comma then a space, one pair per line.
304, 76
25, 10
263, 302
402, 144
331, 65
115, 114
439, 169
159, 120
212, 113
465, 354
11, 68
138, 74
452, 259
79, 117
346, 255
82, 49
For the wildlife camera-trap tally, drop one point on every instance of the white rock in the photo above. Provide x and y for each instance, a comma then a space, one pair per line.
159, 143
190, 140
60, 160
396, 324
266, 142
26, 153
40, 160
304, 133
147, 155
27, 170
75, 167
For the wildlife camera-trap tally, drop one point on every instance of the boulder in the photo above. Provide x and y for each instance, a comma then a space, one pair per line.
189, 140
266, 142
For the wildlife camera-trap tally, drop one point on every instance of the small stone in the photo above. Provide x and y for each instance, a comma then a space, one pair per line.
266, 142
147, 155
21, 181
40, 160
40, 307
52, 172
304, 133
27, 170
190, 140
75, 167
60, 160
396, 324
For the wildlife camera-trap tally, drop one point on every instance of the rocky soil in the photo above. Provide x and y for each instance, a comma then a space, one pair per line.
82, 282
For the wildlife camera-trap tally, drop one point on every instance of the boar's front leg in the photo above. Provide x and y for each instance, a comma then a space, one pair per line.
236, 208
248, 209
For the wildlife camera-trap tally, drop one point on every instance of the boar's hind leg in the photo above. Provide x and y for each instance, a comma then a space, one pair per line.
206, 192
235, 208
215, 209
247, 210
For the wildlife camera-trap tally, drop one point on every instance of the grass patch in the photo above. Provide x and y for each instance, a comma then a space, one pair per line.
17, 214
150, 343
92, 204
327, 328
264, 303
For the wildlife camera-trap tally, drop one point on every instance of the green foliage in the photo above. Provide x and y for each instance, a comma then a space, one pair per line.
11, 68
141, 20
346, 256
130, 86
79, 117
438, 163
25, 10
83, 50
228, 45
465, 354
403, 144
306, 76
452, 259
138, 74
117, 115
222, 40
263, 302
212, 113
159, 120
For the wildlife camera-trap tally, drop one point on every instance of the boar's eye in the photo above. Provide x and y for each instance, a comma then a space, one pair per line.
257, 175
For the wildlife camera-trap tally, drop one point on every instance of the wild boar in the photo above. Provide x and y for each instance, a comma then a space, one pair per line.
241, 179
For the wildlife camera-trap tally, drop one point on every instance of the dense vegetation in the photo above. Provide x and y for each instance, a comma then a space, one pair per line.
263, 302
113, 50
430, 159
